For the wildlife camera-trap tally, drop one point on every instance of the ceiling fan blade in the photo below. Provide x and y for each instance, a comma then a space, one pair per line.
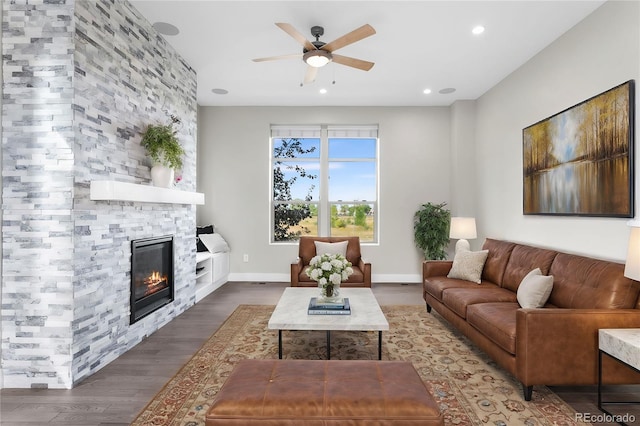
289, 29
275, 58
310, 75
352, 62
350, 38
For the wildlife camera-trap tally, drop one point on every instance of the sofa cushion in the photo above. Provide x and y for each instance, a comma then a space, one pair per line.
582, 282
496, 321
522, 260
535, 289
467, 265
458, 299
435, 286
499, 252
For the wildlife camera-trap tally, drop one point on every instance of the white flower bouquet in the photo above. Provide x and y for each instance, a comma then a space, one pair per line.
329, 270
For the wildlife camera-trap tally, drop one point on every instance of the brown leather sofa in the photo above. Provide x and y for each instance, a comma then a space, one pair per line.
553, 345
361, 276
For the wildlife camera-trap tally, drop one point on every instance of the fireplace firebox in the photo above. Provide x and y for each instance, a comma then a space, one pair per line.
151, 275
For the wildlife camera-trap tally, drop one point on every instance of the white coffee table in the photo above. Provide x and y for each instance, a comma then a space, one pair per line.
622, 344
291, 314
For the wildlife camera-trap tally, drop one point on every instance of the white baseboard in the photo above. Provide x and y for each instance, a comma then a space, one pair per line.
396, 278
279, 278
258, 277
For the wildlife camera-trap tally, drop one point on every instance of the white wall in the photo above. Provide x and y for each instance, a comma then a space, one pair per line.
463, 160
468, 155
597, 54
1, 214
234, 170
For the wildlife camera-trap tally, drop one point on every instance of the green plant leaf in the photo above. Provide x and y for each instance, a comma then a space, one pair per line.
163, 146
431, 230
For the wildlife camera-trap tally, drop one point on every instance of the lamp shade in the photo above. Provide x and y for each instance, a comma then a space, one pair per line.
632, 266
463, 228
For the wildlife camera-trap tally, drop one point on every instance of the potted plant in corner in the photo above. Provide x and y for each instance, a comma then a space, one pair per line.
164, 149
431, 230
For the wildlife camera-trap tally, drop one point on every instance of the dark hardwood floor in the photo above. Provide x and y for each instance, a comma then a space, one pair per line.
115, 395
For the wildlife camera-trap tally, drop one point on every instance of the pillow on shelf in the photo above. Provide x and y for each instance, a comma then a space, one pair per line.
214, 243
331, 248
207, 229
534, 289
468, 265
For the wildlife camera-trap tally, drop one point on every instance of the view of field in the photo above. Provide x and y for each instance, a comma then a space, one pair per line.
344, 226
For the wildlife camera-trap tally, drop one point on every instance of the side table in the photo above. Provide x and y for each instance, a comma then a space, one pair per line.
622, 344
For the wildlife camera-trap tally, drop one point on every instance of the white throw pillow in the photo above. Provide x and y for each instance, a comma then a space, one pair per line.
535, 289
331, 248
467, 265
214, 242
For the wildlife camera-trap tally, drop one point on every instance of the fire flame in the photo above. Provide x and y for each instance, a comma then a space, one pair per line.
154, 282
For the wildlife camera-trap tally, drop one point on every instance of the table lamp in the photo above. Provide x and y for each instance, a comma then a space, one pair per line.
462, 228
632, 266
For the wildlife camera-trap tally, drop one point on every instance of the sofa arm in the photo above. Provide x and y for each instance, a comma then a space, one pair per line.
435, 268
560, 346
296, 268
365, 267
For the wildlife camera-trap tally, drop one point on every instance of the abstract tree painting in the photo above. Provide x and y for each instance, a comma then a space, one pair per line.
580, 161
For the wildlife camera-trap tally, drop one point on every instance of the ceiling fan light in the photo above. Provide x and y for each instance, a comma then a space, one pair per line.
317, 58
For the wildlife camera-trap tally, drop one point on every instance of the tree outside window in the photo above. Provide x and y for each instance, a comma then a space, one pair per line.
293, 190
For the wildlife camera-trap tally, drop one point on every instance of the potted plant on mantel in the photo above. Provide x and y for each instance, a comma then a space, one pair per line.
165, 151
431, 230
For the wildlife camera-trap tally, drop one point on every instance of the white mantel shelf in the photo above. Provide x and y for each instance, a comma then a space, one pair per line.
111, 190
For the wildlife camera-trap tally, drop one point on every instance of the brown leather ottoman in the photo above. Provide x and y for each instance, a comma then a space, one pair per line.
309, 392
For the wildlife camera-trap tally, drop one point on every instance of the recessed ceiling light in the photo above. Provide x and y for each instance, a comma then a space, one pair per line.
477, 30
165, 28
323, 91
447, 90
220, 91
426, 91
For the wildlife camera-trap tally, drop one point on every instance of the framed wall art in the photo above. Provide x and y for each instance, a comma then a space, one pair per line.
579, 162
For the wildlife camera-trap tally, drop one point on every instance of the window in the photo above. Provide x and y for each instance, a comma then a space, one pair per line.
324, 181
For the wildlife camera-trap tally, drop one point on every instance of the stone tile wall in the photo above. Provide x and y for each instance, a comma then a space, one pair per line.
82, 80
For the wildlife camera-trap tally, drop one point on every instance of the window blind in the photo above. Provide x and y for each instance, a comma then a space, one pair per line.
352, 131
282, 131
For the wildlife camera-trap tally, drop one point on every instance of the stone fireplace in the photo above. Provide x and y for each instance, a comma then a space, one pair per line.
151, 275
82, 87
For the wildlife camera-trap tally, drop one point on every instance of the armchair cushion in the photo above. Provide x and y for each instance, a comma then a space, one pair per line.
307, 250
331, 248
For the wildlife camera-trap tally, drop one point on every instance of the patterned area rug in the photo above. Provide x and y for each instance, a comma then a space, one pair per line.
469, 388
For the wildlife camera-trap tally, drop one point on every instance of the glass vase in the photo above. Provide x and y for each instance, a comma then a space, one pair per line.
329, 292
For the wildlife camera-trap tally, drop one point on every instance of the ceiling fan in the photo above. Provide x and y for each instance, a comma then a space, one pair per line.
318, 54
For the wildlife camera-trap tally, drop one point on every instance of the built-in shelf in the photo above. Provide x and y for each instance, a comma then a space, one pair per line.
110, 190
212, 271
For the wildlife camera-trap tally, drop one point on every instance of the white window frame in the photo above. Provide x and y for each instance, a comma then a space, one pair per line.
324, 132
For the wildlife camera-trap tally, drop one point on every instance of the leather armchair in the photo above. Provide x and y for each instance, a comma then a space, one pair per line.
307, 249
